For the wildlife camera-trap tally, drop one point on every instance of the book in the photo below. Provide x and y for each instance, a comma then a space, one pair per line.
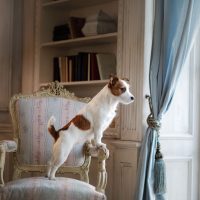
56, 69
73, 68
100, 16
78, 68
75, 26
98, 27
61, 32
70, 59
88, 75
94, 71
106, 64
62, 66
83, 66
66, 69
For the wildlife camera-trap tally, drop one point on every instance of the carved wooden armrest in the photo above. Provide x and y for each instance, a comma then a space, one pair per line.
5, 146
102, 153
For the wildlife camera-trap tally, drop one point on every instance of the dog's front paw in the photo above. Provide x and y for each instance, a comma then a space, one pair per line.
46, 176
103, 152
101, 145
52, 178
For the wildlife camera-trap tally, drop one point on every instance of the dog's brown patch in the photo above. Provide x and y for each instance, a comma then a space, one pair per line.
79, 121
116, 86
65, 127
53, 132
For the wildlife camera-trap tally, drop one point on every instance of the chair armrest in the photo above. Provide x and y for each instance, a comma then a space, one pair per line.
5, 146
102, 154
9, 145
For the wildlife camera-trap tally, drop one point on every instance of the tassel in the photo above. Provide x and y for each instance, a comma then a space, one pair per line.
159, 173
159, 167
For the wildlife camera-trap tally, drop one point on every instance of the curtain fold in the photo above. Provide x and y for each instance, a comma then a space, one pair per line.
175, 26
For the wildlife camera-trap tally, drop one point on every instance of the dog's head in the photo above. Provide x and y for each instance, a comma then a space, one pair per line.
120, 89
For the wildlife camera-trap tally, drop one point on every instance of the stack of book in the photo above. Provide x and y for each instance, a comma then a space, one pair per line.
84, 67
61, 32
70, 30
100, 23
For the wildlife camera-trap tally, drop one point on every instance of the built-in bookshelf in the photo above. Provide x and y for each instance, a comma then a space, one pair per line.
71, 4
89, 40
55, 13
79, 83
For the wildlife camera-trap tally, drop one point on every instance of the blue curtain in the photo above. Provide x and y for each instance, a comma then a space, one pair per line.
175, 26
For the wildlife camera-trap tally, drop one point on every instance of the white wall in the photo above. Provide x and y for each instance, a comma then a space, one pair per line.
10, 63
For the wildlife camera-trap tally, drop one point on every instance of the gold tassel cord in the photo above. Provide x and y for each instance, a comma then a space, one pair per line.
159, 167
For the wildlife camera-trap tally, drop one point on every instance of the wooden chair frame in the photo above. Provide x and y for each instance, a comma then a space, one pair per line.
54, 89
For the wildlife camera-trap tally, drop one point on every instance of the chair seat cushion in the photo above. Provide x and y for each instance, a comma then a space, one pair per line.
40, 188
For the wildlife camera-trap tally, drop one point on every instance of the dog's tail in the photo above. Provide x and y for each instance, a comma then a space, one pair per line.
51, 128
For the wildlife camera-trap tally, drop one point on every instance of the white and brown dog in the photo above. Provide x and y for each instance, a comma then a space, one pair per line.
90, 123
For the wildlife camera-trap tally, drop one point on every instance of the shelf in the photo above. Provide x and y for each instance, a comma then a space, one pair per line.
89, 40
80, 83
72, 4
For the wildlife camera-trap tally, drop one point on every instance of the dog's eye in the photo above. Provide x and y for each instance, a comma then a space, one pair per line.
123, 89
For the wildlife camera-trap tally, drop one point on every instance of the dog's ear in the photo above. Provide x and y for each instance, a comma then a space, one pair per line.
126, 79
113, 80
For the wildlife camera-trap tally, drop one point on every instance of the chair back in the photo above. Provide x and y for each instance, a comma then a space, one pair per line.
30, 114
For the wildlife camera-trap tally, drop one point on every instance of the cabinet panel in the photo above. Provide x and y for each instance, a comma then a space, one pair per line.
127, 171
125, 167
132, 66
179, 178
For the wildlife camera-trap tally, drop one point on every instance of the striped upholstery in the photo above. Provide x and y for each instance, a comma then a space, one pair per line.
35, 142
40, 188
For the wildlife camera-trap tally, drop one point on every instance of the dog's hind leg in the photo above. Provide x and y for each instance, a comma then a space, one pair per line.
60, 155
49, 168
98, 134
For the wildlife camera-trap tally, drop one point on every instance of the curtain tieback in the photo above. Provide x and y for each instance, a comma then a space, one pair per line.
156, 125
153, 123
159, 167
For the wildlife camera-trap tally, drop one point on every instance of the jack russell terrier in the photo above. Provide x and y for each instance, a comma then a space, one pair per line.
89, 123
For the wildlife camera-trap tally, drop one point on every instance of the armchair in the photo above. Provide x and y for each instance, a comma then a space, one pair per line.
32, 146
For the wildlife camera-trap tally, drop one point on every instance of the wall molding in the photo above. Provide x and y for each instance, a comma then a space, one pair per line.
176, 137
124, 144
189, 161
5, 128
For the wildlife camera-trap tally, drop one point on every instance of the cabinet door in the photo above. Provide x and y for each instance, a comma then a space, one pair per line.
125, 168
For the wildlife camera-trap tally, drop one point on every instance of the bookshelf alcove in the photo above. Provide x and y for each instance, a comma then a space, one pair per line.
51, 13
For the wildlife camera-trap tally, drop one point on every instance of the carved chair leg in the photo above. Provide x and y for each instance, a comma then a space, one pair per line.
102, 176
2, 163
85, 176
103, 154
17, 173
